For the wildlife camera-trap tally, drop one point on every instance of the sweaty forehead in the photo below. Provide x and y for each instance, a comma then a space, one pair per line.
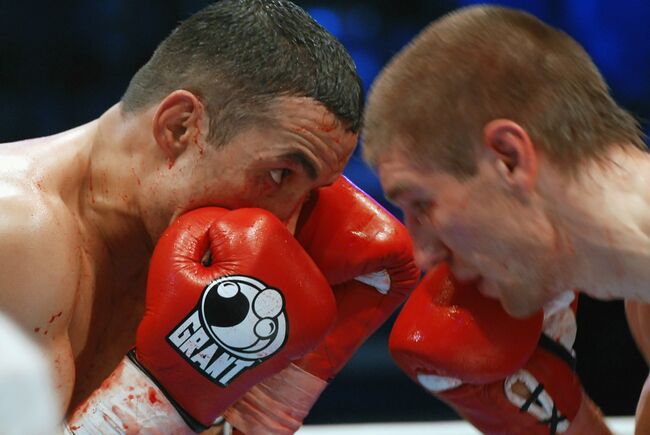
306, 108
397, 158
401, 176
308, 117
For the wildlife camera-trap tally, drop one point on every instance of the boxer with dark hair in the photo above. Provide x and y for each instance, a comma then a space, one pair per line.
245, 112
499, 139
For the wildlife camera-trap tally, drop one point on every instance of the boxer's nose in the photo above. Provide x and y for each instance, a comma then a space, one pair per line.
430, 254
428, 249
292, 219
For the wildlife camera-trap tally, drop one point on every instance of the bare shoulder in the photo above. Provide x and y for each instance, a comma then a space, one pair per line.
39, 258
39, 272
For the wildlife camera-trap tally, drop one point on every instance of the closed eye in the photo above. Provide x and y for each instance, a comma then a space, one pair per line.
420, 209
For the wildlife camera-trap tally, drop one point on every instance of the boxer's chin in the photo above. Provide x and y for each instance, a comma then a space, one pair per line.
559, 302
487, 289
178, 212
514, 301
520, 309
463, 272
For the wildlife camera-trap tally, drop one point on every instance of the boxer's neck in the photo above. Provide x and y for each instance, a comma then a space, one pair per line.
603, 219
110, 196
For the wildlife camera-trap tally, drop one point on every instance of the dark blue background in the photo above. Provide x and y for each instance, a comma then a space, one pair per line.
63, 63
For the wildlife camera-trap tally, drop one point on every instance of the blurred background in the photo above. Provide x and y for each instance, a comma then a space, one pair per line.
63, 63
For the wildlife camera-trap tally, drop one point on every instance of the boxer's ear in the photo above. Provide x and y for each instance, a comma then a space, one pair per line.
177, 123
514, 154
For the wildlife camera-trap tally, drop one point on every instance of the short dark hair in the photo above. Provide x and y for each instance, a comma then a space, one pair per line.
239, 55
488, 62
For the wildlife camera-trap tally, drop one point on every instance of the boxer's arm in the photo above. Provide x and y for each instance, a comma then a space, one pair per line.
638, 319
642, 418
39, 274
589, 419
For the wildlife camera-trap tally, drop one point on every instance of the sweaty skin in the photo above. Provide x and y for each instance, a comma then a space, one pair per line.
83, 209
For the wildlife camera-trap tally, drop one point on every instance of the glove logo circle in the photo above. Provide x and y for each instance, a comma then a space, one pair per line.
237, 323
244, 316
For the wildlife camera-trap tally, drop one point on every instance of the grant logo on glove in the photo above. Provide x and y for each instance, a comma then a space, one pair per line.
238, 322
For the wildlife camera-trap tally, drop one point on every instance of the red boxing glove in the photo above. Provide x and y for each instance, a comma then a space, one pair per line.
501, 374
542, 398
367, 256
453, 331
217, 324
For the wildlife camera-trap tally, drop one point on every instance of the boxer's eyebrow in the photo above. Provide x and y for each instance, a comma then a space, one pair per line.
393, 193
307, 164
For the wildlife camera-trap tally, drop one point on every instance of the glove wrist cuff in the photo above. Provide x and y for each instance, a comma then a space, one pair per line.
558, 350
191, 422
121, 401
278, 405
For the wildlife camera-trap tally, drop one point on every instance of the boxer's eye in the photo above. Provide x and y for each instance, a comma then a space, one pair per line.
420, 207
421, 211
278, 175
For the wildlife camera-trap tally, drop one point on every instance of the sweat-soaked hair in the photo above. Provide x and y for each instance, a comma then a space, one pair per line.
238, 56
484, 63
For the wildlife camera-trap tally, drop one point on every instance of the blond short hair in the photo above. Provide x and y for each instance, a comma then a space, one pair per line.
483, 63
